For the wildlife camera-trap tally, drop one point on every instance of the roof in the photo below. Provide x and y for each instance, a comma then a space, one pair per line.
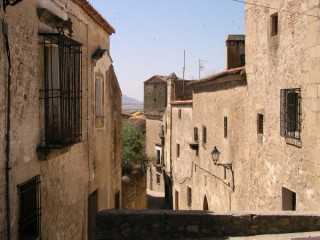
234, 37
181, 102
213, 77
156, 78
95, 15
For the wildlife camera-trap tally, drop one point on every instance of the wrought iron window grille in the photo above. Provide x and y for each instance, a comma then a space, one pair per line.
61, 92
290, 113
29, 209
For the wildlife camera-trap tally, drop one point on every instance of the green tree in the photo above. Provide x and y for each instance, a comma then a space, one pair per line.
133, 149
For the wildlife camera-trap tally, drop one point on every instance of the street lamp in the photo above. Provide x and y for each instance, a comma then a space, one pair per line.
215, 157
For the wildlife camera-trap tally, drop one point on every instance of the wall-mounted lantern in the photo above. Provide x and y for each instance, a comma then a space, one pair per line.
215, 157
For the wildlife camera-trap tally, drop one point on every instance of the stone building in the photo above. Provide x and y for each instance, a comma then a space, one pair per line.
60, 120
263, 119
159, 91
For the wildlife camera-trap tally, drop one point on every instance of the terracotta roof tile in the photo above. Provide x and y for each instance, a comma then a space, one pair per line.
95, 15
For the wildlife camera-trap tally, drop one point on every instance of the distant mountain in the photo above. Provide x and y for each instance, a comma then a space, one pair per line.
127, 100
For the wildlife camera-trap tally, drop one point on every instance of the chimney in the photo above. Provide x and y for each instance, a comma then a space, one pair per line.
235, 51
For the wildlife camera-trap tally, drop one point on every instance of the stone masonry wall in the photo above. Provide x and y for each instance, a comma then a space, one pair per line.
165, 224
287, 60
69, 175
134, 194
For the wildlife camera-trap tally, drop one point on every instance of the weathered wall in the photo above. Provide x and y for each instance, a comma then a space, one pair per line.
287, 60
134, 191
211, 103
70, 174
166, 224
2, 132
155, 95
182, 171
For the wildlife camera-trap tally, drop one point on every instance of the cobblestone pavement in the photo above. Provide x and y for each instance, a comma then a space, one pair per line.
156, 200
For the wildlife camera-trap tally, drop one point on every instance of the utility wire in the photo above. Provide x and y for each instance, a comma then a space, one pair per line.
258, 5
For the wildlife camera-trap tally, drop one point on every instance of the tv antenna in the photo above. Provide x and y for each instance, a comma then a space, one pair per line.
200, 67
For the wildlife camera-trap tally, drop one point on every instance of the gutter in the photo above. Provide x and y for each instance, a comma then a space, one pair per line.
8, 127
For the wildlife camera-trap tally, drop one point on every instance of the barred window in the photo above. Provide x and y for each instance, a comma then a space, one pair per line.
29, 209
290, 113
260, 120
61, 91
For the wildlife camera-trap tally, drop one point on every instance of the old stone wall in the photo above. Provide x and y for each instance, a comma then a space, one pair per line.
287, 60
212, 103
134, 191
155, 96
68, 175
166, 224
182, 171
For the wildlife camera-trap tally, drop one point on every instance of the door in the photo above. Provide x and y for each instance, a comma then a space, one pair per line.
92, 213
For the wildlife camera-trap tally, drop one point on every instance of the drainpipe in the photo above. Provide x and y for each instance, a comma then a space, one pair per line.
7, 161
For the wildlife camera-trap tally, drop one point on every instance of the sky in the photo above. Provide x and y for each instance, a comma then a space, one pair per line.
152, 36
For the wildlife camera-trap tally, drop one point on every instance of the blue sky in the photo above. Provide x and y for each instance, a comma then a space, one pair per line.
151, 36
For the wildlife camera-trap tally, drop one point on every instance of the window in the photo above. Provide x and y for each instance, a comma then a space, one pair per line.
288, 200
158, 156
189, 196
195, 134
274, 24
178, 150
204, 135
290, 114
61, 91
158, 179
29, 209
225, 123
179, 113
260, 123
99, 90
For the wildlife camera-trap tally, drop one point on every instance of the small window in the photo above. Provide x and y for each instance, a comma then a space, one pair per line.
225, 120
274, 24
189, 196
158, 156
158, 179
260, 120
29, 209
178, 150
179, 113
99, 97
195, 134
288, 200
290, 113
204, 135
